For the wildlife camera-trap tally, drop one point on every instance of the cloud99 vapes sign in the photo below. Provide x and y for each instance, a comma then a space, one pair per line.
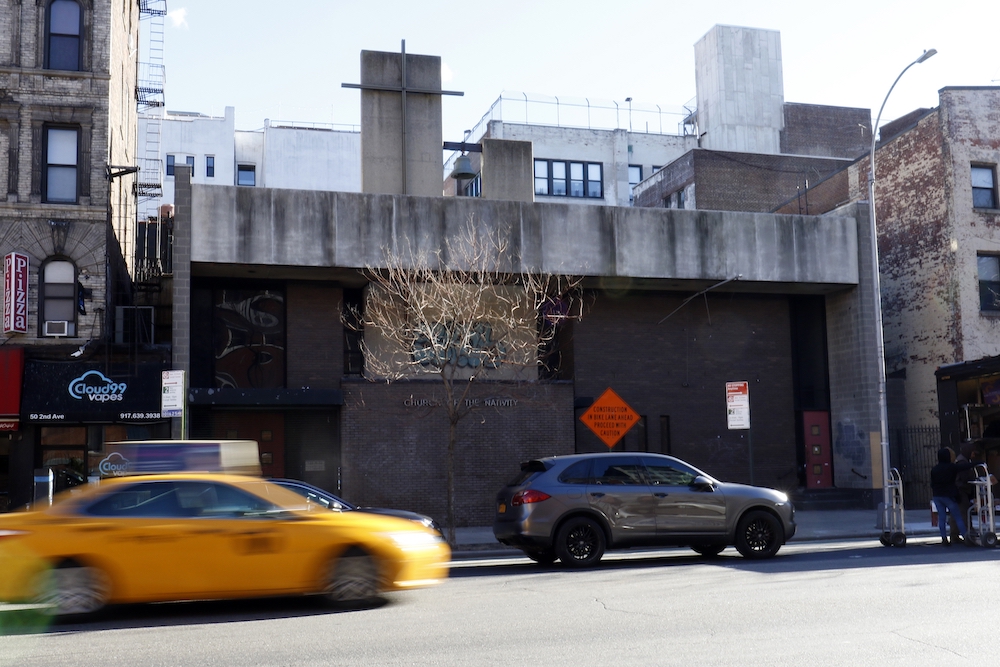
73, 393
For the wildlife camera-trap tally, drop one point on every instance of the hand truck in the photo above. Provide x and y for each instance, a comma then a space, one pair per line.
893, 523
982, 513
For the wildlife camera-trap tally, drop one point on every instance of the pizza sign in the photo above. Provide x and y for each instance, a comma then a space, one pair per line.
15, 293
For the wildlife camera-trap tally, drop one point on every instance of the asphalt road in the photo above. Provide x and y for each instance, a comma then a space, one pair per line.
817, 603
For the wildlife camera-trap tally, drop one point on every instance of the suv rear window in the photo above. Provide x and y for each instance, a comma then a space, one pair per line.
528, 470
578, 473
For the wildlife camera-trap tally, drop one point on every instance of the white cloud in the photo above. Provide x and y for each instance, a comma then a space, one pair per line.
446, 73
178, 17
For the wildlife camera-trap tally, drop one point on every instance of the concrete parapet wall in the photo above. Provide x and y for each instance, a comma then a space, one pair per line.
259, 226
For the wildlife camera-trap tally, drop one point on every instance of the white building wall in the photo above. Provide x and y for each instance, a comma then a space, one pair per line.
311, 159
615, 149
284, 157
199, 136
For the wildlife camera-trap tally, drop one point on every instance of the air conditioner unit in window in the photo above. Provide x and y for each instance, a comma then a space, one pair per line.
56, 328
134, 324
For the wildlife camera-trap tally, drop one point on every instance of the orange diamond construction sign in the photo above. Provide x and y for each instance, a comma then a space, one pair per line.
610, 417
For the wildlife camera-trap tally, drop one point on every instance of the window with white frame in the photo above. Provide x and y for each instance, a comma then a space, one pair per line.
59, 298
189, 161
63, 26
984, 186
989, 283
246, 174
171, 161
61, 159
562, 178
634, 178
209, 166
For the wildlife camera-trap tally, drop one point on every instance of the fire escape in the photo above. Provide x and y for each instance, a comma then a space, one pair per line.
153, 228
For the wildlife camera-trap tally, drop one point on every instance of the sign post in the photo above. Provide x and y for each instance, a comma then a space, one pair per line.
738, 413
610, 418
172, 402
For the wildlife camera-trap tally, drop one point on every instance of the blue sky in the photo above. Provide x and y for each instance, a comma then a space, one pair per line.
287, 60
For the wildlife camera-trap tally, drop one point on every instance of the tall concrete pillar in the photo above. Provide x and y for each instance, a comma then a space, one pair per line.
740, 89
384, 132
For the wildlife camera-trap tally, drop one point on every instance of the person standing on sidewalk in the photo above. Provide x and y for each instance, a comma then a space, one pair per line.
944, 491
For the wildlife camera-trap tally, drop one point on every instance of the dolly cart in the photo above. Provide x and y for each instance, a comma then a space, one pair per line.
982, 514
893, 525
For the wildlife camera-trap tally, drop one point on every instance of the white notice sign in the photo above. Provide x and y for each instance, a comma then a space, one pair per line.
172, 394
737, 405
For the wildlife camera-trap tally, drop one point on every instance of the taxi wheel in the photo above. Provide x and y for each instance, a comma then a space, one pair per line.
353, 578
73, 589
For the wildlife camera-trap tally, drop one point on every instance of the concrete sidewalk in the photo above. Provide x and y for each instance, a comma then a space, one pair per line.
811, 525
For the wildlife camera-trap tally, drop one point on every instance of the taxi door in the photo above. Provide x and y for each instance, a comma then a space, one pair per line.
246, 545
619, 491
144, 533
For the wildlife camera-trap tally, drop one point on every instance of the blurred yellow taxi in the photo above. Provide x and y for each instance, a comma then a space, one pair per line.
199, 536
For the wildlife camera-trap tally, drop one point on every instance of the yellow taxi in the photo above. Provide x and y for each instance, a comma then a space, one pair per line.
200, 536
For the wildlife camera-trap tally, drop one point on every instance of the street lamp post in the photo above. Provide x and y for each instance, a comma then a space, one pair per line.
876, 287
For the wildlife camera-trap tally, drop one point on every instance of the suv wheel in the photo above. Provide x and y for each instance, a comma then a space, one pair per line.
759, 535
580, 542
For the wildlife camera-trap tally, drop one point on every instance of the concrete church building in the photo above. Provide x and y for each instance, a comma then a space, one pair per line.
261, 278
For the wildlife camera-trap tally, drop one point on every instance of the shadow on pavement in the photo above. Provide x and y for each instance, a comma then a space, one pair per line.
797, 558
177, 613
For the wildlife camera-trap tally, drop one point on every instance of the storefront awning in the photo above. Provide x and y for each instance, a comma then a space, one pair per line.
11, 375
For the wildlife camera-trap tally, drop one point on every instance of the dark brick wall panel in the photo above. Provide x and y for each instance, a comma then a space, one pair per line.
680, 367
395, 454
824, 131
315, 335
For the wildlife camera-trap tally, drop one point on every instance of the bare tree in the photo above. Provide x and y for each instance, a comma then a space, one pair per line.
462, 314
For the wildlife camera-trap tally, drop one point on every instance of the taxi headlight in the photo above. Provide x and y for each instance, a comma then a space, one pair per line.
408, 540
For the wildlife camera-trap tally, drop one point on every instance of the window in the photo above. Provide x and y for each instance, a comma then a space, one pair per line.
634, 178
634, 175
474, 188
189, 161
209, 166
984, 187
246, 174
61, 151
669, 473
681, 199
575, 179
62, 35
59, 298
578, 473
618, 470
989, 283
170, 165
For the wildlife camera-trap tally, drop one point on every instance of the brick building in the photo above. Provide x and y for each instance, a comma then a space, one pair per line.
938, 215
68, 78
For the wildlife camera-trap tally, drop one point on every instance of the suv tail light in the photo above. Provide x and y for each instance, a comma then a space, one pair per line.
528, 496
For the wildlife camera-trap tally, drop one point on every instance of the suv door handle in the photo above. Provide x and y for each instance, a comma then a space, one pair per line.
661, 494
597, 495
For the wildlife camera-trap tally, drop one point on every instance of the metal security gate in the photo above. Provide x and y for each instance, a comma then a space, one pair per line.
914, 452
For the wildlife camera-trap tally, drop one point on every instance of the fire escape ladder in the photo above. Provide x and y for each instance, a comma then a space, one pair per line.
152, 240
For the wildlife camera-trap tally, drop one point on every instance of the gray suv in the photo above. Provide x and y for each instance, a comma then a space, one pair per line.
574, 507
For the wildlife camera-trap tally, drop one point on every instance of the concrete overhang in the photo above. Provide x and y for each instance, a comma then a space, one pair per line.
314, 235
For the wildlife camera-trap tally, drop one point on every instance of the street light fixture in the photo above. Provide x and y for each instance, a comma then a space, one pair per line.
880, 341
